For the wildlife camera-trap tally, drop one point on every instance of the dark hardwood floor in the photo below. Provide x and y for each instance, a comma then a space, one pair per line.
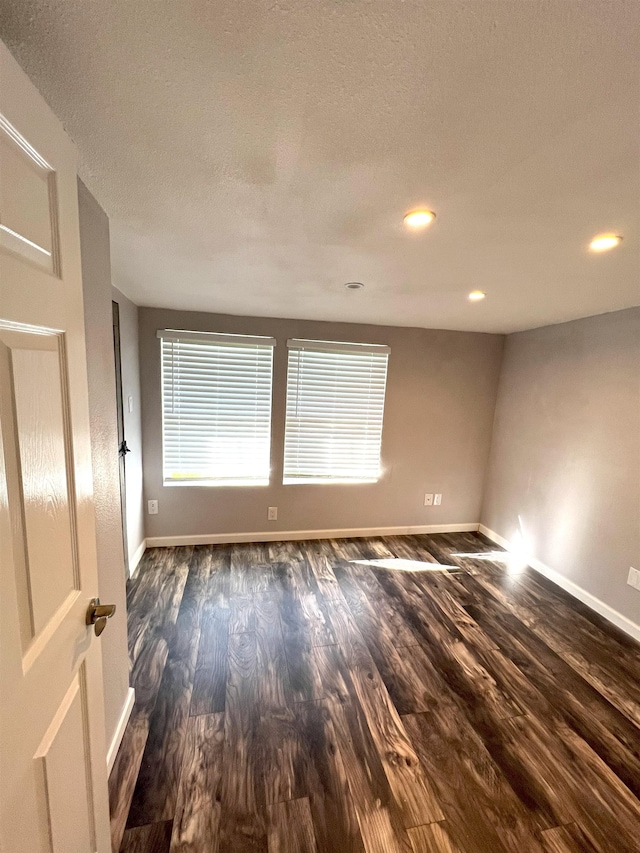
394, 695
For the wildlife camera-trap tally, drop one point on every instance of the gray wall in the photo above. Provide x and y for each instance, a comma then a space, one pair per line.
96, 277
440, 402
565, 457
132, 421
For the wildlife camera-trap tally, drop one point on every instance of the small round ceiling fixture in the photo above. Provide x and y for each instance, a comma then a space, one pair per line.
604, 242
354, 285
477, 295
416, 219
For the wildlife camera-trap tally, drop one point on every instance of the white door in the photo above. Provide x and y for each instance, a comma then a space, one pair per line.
53, 777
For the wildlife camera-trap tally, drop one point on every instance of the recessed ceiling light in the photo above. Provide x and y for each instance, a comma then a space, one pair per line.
477, 295
354, 285
419, 218
604, 242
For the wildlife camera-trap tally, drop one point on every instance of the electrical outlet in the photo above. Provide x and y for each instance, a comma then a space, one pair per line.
634, 578
437, 500
428, 500
272, 513
153, 507
130, 403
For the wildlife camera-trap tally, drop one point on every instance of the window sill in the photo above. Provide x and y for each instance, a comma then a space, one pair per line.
216, 484
317, 481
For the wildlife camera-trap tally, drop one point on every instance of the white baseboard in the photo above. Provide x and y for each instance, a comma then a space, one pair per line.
293, 535
573, 589
137, 556
127, 708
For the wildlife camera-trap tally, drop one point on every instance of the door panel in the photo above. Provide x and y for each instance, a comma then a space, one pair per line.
61, 754
38, 378
53, 791
27, 219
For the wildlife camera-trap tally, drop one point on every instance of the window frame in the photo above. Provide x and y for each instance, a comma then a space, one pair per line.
217, 338
299, 344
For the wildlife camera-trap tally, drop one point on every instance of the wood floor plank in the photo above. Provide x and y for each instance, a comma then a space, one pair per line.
124, 775
291, 827
146, 678
304, 678
319, 564
567, 839
579, 642
449, 553
241, 581
335, 683
296, 580
250, 568
400, 632
404, 690
589, 656
242, 820
406, 777
379, 818
210, 679
434, 838
481, 808
579, 785
459, 662
300, 603
554, 805
148, 563
322, 775
156, 605
440, 588
608, 732
152, 838
550, 593
273, 692
283, 552
196, 825
279, 757
157, 784
242, 613
156, 790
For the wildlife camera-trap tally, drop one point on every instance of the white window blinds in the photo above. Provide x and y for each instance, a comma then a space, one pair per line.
335, 405
216, 408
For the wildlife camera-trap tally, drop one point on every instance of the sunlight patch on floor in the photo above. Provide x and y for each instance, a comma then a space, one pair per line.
515, 561
492, 556
401, 565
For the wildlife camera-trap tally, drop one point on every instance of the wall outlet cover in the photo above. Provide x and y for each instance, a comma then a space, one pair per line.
272, 513
153, 507
634, 578
428, 500
437, 500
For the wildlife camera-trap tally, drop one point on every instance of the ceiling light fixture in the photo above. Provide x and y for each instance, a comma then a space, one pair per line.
354, 285
477, 295
419, 218
604, 242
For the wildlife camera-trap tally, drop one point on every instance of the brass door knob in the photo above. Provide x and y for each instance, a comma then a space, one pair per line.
97, 615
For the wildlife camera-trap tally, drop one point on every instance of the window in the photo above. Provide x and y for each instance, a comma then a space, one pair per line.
335, 404
216, 408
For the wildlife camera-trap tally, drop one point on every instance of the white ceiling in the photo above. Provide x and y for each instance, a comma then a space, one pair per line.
254, 156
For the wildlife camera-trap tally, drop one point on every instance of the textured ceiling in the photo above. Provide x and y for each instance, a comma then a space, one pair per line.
254, 156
